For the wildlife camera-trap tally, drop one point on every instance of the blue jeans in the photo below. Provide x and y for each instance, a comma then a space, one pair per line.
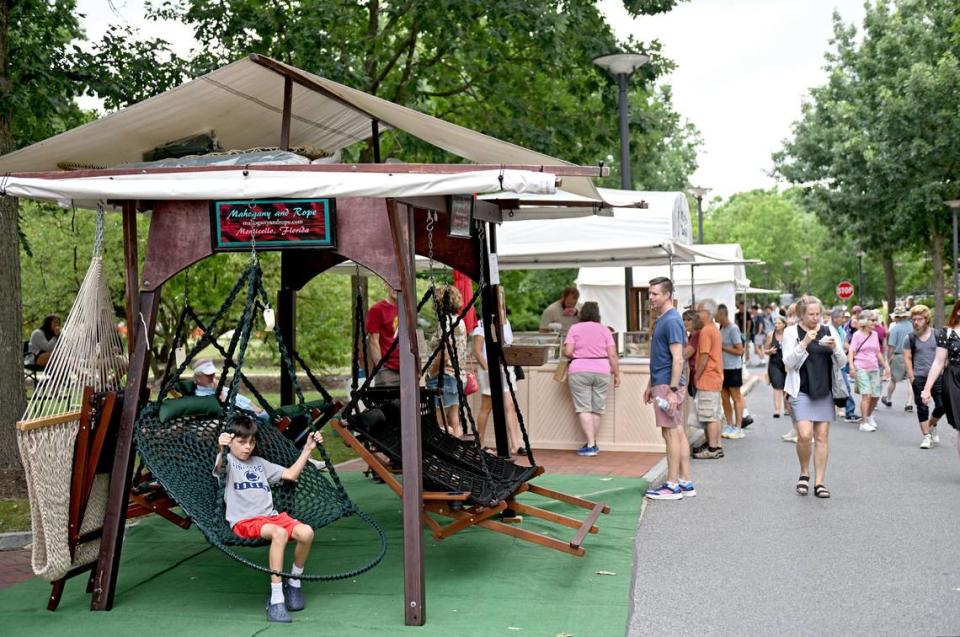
850, 408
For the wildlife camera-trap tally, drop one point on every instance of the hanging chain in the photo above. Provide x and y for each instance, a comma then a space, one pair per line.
98, 238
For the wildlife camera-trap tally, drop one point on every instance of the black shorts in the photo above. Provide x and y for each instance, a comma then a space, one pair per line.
936, 392
733, 378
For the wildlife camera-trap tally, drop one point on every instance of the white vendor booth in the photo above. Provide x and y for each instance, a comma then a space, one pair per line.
627, 238
722, 282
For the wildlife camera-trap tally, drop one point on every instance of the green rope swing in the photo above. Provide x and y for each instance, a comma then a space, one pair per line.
180, 448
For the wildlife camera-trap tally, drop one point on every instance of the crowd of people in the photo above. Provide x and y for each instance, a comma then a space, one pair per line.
817, 360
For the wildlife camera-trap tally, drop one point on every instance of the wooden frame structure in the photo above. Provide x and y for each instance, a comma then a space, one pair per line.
91, 443
451, 505
381, 234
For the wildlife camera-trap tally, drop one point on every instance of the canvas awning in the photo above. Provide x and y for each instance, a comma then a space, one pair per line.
242, 104
254, 183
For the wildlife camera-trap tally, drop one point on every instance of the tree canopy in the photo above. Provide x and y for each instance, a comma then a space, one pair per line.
877, 148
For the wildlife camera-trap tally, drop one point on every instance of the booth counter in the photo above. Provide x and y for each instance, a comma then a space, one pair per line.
627, 424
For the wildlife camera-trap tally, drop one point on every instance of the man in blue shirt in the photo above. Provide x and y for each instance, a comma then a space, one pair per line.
896, 339
665, 389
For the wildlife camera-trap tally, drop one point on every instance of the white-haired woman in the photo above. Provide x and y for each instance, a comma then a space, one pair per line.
809, 354
866, 362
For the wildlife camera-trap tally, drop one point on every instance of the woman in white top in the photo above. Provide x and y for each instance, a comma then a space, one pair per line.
483, 379
809, 354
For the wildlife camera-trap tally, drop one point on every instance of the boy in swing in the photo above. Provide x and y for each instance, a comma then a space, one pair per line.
251, 514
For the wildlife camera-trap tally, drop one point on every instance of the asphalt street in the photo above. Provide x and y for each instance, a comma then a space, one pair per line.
748, 556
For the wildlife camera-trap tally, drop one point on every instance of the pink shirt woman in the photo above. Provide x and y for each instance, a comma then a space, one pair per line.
591, 342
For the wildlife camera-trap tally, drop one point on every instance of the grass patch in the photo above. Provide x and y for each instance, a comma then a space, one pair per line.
14, 515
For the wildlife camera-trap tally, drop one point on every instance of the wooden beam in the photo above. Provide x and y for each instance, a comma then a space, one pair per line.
108, 562
550, 516
131, 270
285, 115
401, 230
588, 526
424, 169
564, 497
48, 421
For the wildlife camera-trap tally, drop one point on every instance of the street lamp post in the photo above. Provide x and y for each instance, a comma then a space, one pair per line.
806, 272
861, 296
698, 194
786, 266
622, 66
954, 204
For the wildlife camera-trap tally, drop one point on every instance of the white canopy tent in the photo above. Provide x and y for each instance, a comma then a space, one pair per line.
571, 243
713, 279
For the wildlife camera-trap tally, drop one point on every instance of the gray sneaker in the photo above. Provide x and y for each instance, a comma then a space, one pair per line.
293, 597
708, 454
278, 613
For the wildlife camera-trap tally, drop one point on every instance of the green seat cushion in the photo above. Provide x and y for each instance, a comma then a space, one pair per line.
190, 406
186, 387
293, 411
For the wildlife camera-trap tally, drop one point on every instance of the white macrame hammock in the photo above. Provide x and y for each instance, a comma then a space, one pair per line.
87, 353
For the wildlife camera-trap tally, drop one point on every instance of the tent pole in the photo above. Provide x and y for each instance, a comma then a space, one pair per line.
693, 288
375, 139
492, 339
285, 116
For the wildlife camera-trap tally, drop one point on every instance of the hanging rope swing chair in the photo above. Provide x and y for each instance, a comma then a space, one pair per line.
177, 439
88, 356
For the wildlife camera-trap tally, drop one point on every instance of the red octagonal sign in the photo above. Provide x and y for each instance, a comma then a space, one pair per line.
845, 290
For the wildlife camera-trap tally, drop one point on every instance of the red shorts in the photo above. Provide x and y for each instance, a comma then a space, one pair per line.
251, 527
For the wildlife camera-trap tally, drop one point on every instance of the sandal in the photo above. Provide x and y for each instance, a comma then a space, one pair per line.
821, 491
803, 485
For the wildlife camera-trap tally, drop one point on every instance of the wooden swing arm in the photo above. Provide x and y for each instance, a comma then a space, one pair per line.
48, 421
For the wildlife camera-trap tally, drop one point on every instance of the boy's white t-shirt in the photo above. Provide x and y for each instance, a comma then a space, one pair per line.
247, 490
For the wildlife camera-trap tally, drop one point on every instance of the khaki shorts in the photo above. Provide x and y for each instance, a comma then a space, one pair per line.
589, 391
898, 368
709, 408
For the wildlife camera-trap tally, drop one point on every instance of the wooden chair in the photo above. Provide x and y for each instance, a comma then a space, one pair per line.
465, 494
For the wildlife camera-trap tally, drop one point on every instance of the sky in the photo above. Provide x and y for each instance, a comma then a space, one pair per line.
743, 69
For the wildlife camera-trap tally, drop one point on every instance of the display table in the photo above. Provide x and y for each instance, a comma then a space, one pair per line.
627, 424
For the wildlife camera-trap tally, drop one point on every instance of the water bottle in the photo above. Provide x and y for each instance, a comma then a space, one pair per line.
662, 403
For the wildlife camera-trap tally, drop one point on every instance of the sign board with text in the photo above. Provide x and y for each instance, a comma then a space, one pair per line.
273, 224
461, 215
845, 290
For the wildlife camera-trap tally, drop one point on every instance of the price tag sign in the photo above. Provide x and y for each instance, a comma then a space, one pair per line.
461, 215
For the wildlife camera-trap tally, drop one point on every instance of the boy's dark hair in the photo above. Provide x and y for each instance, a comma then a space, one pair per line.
244, 426
664, 283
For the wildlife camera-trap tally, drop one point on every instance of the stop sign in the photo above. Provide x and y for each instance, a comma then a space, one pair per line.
845, 290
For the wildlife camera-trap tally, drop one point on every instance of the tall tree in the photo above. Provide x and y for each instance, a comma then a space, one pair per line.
36, 101
877, 148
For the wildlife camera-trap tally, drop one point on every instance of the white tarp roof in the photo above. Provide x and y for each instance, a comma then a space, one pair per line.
570, 243
242, 103
666, 213
253, 184
703, 274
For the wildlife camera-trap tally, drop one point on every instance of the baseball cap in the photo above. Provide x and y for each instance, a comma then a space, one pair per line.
205, 367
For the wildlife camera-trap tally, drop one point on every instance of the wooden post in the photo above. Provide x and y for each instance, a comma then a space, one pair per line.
285, 116
492, 332
401, 226
131, 264
111, 543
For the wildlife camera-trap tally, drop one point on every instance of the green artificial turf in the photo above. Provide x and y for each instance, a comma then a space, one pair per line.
478, 583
